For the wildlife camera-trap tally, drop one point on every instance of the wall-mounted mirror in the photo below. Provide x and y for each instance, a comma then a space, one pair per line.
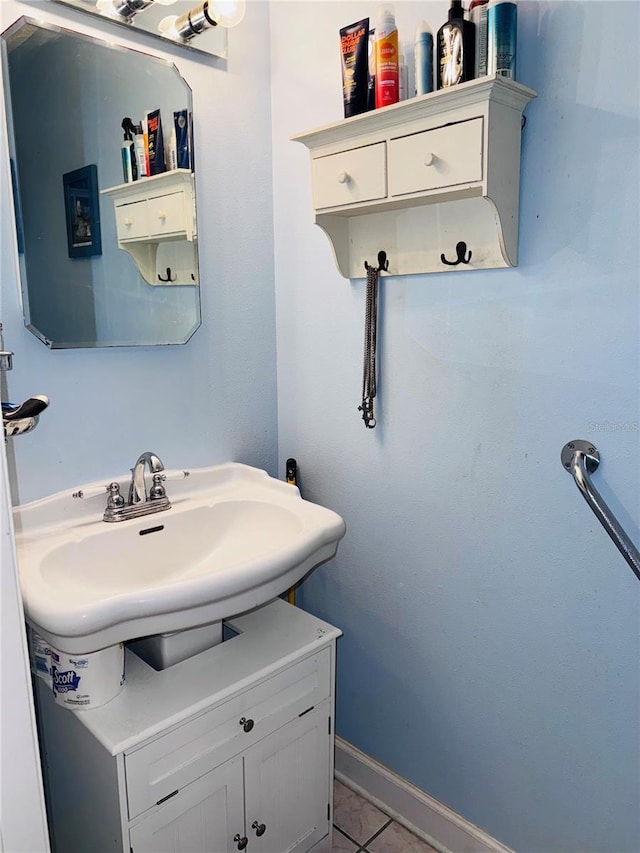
103, 261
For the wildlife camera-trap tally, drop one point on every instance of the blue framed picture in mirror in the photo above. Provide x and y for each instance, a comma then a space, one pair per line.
82, 211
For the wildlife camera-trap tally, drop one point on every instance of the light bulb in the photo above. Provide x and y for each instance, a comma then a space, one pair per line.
167, 27
227, 13
106, 8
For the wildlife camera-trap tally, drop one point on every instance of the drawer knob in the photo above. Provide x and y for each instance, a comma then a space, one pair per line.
259, 828
247, 725
240, 840
344, 177
128, 222
162, 214
429, 158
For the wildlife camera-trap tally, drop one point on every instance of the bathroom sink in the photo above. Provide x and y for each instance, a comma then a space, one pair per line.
233, 539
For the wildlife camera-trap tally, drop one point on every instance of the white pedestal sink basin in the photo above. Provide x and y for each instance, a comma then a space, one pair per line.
233, 539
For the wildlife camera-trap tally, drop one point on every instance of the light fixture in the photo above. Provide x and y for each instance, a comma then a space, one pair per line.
126, 10
210, 13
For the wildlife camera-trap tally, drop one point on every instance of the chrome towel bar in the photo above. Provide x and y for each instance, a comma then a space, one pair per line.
581, 458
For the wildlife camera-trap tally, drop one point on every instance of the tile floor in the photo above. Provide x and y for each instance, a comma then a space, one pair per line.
360, 827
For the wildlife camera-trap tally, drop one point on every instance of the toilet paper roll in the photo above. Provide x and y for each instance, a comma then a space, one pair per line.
83, 682
39, 655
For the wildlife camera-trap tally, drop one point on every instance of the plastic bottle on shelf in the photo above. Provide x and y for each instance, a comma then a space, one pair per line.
456, 48
423, 54
478, 16
502, 27
403, 78
386, 44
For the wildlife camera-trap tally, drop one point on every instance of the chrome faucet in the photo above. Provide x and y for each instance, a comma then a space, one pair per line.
140, 502
137, 487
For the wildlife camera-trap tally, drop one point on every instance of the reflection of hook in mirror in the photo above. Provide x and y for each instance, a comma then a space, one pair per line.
168, 277
461, 251
80, 298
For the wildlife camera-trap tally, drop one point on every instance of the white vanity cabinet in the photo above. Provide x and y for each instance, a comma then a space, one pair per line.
156, 224
421, 177
228, 750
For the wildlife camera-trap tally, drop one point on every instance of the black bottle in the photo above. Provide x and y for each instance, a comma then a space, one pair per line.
456, 48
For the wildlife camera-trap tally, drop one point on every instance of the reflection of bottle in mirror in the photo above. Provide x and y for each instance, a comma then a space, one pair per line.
172, 151
183, 143
140, 152
129, 168
145, 138
156, 143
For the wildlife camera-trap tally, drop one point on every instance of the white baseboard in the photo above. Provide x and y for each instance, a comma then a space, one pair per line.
437, 824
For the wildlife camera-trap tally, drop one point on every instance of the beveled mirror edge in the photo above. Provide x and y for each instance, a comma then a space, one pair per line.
11, 29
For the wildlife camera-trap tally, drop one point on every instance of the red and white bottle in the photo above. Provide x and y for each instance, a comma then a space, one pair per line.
386, 51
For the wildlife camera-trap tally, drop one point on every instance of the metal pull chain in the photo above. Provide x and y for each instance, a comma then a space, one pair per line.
370, 339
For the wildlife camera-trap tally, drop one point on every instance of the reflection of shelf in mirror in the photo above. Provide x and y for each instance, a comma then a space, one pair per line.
151, 212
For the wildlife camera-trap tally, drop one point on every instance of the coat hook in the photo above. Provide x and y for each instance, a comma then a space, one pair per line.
168, 278
383, 262
461, 249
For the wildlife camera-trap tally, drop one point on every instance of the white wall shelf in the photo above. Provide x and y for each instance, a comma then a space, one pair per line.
420, 177
156, 226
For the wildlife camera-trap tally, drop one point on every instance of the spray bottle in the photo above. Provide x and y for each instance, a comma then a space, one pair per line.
502, 26
386, 44
423, 52
129, 167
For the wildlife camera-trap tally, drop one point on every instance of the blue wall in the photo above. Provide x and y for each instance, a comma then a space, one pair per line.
491, 629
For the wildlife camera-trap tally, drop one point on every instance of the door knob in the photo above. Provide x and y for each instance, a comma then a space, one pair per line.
247, 725
241, 840
259, 828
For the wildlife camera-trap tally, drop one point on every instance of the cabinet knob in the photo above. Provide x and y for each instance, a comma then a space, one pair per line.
162, 214
429, 158
247, 725
128, 222
240, 840
259, 828
344, 177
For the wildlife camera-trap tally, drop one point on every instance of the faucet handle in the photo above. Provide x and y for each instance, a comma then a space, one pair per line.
157, 491
115, 499
85, 494
174, 475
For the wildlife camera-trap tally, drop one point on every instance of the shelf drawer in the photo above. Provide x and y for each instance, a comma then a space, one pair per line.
351, 176
132, 221
436, 159
174, 760
166, 214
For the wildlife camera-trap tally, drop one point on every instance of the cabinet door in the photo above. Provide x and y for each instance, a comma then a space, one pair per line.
202, 818
287, 785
